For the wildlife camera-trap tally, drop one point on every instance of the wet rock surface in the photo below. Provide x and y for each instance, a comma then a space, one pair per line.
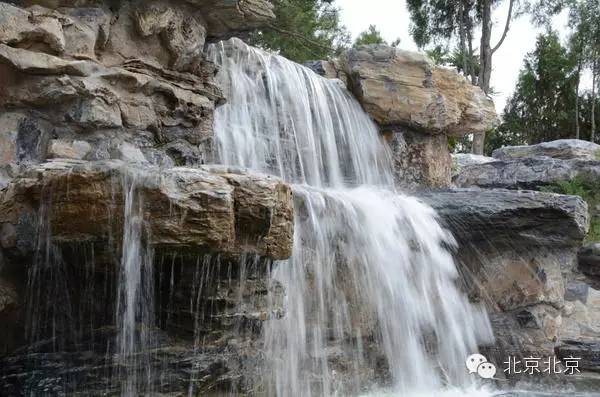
517, 255
196, 209
98, 97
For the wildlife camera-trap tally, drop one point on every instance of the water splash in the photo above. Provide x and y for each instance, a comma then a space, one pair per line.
371, 279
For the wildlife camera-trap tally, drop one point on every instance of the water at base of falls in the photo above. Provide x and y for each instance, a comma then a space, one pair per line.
371, 295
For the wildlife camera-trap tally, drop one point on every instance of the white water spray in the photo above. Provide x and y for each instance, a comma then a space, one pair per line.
370, 276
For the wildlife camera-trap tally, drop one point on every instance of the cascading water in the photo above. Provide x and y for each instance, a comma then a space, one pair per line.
135, 296
371, 271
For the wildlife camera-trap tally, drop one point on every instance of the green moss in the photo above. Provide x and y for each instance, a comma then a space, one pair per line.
598, 155
588, 189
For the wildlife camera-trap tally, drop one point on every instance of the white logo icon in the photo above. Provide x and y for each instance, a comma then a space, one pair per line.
477, 363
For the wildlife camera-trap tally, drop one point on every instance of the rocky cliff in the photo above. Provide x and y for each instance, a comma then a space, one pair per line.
102, 102
563, 318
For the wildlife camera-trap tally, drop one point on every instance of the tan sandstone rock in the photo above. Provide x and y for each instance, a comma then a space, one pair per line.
404, 88
190, 209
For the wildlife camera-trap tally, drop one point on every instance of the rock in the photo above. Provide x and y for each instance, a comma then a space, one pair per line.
403, 88
545, 219
227, 17
23, 28
181, 31
23, 138
130, 153
589, 259
97, 112
582, 317
564, 149
60, 148
40, 63
185, 208
86, 31
419, 160
460, 160
588, 353
329, 69
525, 173
8, 297
514, 250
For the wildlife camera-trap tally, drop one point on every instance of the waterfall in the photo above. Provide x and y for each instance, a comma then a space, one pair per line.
135, 295
372, 301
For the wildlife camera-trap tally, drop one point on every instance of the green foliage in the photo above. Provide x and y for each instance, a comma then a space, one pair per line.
369, 36
588, 189
541, 107
303, 30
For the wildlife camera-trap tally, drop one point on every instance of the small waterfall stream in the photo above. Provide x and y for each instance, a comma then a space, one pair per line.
135, 296
371, 287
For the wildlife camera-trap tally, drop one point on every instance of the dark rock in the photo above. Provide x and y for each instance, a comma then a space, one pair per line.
587, 351
546, 219
589, 259
525, 173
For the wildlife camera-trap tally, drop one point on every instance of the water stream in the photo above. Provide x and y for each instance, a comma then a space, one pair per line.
372, 301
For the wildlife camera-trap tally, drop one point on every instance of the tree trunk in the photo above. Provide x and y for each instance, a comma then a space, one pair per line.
593, 115
485, 64
461, 35
485, 57
577, 97
470, 44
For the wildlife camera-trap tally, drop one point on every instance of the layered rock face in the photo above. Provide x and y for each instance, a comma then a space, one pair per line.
417, 106
534, 166
101, 101
563, 316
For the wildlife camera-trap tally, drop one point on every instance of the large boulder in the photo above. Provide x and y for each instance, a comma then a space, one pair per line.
517, 251
185, 209
564, 149
526, 173
404, 88
460, 160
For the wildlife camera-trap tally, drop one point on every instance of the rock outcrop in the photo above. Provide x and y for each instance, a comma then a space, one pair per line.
402, 88
564, 149
417, 105
113, 74
198, 210
101, 100
568, 320
517, 251
525, 173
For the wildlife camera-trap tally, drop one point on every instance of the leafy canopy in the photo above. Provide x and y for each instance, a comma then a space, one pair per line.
303, 30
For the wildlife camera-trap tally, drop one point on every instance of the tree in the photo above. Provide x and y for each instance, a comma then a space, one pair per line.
369, 36
540, 108
585, 46
303, 30
435, 20
450, 19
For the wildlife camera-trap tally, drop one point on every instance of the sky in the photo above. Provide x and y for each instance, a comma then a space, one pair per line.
392, 19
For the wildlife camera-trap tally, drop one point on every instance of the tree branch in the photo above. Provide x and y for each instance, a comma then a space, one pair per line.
299, 36
506, 26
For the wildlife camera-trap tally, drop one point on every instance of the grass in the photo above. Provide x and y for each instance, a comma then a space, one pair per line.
589, 190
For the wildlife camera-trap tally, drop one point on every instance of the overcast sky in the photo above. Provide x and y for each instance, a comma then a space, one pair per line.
392, 19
